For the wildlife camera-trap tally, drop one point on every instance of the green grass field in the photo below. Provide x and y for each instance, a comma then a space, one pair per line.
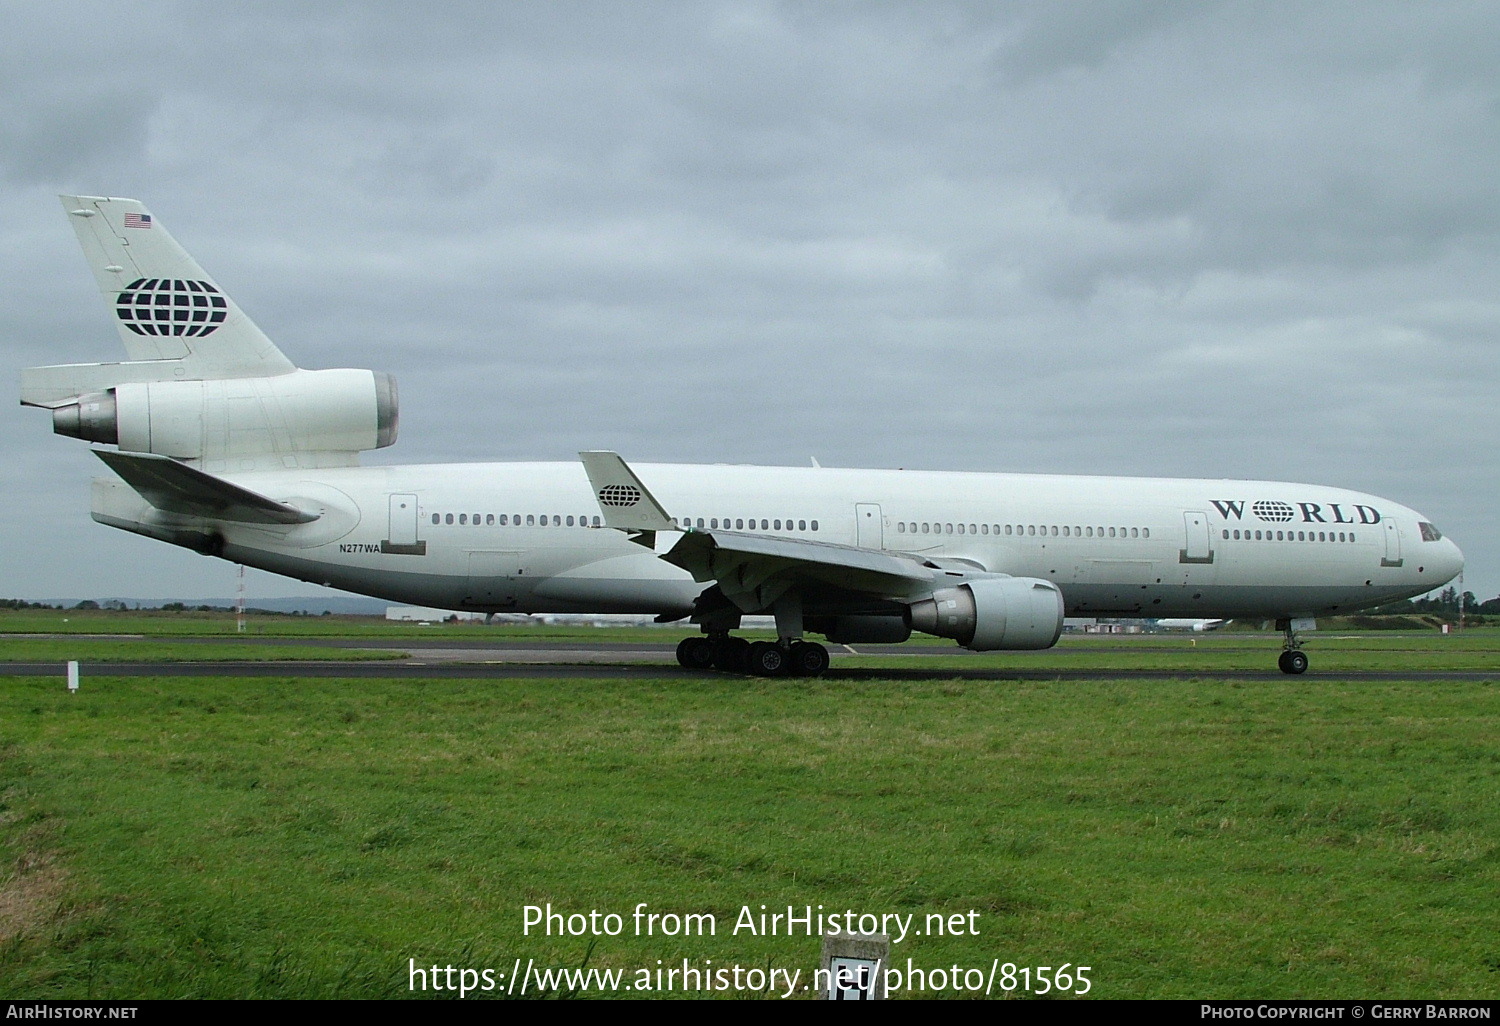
158, 623
91, 650
1331, 651
213, 837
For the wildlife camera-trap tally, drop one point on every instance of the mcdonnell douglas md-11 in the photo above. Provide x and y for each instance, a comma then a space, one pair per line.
222, 445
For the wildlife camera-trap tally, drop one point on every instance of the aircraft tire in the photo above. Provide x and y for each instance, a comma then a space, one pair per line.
731, 655
808, 659
768, 660
1293, 662
695, 653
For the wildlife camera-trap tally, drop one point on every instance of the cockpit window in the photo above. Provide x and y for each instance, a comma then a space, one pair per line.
1429, 533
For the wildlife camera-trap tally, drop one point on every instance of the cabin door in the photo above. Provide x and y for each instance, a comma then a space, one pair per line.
401, 528
869, 531
1392, 544
1198, 544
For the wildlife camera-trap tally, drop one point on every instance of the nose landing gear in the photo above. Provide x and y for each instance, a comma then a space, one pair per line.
1293, 660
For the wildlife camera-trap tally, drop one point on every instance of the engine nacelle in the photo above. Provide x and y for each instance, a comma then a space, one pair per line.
305, 411
993, 613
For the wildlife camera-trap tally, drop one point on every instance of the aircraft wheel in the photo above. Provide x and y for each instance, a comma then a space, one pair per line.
808, 658
696, 653
1293, 661
731, 654
768, 660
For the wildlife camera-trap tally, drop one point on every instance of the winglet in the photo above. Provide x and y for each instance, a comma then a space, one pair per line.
626, 503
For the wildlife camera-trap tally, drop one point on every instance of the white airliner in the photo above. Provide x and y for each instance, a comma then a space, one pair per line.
223, 446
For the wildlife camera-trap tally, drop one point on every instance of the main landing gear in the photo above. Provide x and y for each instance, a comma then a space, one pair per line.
763, 658
1293, 660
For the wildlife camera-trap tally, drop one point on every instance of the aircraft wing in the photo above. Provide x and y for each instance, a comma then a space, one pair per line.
174, 487
753, 570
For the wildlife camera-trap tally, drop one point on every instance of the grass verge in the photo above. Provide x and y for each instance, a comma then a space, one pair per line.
286, 838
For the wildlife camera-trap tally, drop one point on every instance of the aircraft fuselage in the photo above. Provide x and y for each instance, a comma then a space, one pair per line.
522, 537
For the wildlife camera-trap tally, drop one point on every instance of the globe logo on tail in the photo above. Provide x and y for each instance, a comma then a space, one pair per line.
171, 306
619, 495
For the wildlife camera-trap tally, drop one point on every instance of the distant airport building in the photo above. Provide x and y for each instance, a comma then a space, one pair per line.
424, 614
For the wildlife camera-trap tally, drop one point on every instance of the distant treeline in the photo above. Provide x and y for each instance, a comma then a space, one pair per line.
1448, 603
116, 606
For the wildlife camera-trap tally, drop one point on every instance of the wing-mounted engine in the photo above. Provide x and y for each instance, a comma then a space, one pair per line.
991, 613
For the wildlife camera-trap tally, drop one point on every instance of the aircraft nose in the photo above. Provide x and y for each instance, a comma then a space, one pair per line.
1452, 560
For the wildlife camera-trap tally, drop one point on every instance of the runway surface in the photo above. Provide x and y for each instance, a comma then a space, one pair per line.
438, 659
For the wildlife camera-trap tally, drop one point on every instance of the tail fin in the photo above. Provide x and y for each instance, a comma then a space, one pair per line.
175, 321
165, 306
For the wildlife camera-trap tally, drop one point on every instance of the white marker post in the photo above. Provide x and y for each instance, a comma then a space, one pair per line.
73, 676
854, 966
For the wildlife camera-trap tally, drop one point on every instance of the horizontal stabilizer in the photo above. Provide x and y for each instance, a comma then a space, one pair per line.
51, 387
174, 487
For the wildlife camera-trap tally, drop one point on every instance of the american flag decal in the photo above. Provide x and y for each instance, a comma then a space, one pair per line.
137, 220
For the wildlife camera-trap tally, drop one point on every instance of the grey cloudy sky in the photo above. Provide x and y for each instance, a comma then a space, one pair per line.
1176, 238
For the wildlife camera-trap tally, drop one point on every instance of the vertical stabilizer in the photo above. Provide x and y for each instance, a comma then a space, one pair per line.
162, 302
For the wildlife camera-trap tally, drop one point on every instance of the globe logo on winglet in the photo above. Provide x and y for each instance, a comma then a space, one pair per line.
1272, 511
619, 495
171, 306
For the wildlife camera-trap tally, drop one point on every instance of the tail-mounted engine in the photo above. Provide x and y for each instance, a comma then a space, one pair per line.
325, 412
992, 613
